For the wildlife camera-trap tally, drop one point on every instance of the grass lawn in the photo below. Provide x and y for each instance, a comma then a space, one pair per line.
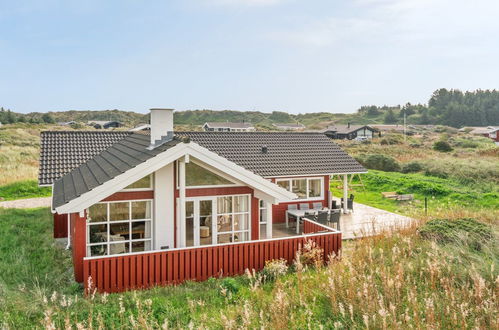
441, 193
389, 281
23, 189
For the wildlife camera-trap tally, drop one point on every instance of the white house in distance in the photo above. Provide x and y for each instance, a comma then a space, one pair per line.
228, 127
289, 127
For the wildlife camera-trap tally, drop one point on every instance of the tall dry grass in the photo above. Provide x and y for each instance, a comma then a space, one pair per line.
19, 154
392, 281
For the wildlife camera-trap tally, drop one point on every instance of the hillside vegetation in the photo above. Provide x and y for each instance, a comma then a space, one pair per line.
445, 107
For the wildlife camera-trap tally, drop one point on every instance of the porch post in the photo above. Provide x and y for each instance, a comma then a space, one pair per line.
181, 197
329, 195
345, 193
268, 207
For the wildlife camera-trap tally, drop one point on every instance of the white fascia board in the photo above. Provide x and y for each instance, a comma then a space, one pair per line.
123, 180
313, 175
151, 165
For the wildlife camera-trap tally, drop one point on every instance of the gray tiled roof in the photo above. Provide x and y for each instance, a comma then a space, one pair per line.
117, 159
345, 129
287, 154
61, 151
229, 125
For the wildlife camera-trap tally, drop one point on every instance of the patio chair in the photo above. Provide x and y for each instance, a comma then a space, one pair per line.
304, 206
349, 203
317, 206
322, 217
334, 218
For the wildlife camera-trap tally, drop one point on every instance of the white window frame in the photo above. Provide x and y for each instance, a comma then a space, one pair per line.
308, 198
233, 214
151, 186
262, 206
108, 224
215, 214
223, 175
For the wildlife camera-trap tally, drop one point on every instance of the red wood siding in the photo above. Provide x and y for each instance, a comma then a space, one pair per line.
279, 210
60, 225
138, 271
78, 238
128, 195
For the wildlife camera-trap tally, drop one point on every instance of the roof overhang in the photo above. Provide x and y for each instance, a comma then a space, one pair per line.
264, 189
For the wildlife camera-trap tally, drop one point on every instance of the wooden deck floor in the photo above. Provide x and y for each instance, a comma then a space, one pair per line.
363, 221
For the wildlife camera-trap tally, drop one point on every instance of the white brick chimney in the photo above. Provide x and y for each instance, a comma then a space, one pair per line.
161, 124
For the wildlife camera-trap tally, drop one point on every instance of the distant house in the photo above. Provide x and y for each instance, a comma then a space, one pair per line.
289, 127
228, 127
141, 127
104, 124
349, 131
489, 132
66, 123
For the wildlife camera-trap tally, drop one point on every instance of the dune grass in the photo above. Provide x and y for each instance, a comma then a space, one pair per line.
391, 281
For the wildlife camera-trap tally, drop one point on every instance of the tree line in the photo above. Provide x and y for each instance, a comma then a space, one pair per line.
445, 107
9, 117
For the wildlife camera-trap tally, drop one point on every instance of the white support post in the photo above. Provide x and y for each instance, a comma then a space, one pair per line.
329, 195
345, 193
268, 208
181, 204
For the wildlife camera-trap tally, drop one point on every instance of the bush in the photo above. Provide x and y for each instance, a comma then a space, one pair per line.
229, 284
468, 230
274, 269
380, 162
442, 146
412, 167
390, 140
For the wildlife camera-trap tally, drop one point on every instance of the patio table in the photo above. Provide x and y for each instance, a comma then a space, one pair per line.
298, 214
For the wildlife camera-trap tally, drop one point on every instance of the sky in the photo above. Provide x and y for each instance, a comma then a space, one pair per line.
287, 55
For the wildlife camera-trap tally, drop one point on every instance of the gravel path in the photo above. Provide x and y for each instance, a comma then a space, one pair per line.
27, 203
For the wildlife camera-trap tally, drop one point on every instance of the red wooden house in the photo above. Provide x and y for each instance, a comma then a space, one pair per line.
158, 207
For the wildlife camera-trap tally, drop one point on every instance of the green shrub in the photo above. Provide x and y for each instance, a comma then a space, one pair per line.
230, 284
412, 167
467, 230
465, 143
427, 188
442, 146
436, 172
380, 162
390, 140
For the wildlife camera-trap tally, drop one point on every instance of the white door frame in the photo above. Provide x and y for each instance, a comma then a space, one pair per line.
196, 228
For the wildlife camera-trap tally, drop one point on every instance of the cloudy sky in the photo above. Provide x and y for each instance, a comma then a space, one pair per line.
287, 55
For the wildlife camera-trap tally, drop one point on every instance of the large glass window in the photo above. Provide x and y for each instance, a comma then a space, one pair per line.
142, 184
119, 227
233, 218
304, 188
196, 175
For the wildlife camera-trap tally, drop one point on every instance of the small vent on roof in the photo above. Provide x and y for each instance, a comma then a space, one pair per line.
264, 149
